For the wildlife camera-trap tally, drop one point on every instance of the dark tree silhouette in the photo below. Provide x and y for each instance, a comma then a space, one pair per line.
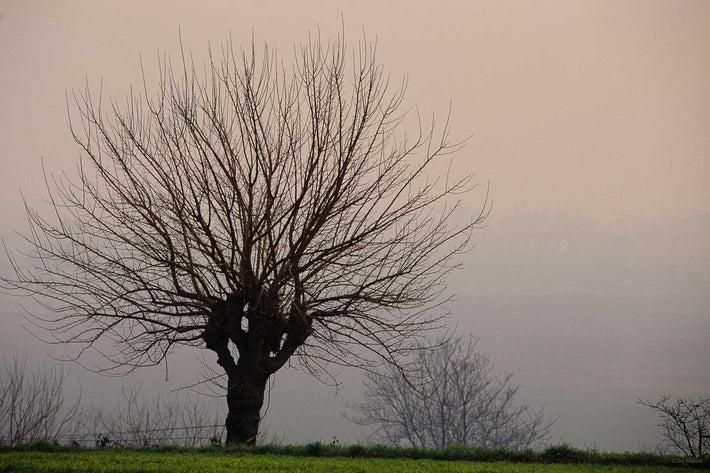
685, 423
261, 211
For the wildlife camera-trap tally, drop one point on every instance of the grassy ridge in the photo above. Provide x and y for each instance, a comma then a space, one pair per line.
183, 461
551, 455
554, 454
300, 454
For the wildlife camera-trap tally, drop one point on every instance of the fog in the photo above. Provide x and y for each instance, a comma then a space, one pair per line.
588, 122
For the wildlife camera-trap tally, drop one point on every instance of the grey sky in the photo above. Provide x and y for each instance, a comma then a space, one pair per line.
590, 121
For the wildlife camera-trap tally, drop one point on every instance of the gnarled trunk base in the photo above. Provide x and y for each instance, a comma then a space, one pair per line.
245, 397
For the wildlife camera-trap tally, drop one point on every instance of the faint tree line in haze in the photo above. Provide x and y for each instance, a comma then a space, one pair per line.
33, 408
456, 400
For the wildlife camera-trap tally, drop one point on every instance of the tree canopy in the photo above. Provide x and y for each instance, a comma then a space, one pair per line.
262, 211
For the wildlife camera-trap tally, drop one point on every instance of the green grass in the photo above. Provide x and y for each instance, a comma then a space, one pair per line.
183, 460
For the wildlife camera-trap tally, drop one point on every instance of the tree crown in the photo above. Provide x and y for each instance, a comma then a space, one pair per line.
285, 194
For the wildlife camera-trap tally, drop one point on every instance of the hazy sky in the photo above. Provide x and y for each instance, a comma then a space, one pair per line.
590, 121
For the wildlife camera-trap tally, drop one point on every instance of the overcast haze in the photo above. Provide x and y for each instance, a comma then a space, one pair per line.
590, 122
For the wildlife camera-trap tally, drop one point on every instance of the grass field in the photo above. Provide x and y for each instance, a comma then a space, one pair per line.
125, 461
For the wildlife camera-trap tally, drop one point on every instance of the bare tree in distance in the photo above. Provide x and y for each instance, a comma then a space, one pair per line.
263, 212
685, 423
452, 398
33, 406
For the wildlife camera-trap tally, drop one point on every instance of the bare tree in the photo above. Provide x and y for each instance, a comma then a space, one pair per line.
32, 405
452, 399
685, 423
260, 211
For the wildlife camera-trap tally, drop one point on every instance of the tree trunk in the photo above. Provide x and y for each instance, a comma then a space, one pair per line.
245, 397
261, 353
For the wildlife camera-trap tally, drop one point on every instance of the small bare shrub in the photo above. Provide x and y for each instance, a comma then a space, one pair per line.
685, 423
32, 404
